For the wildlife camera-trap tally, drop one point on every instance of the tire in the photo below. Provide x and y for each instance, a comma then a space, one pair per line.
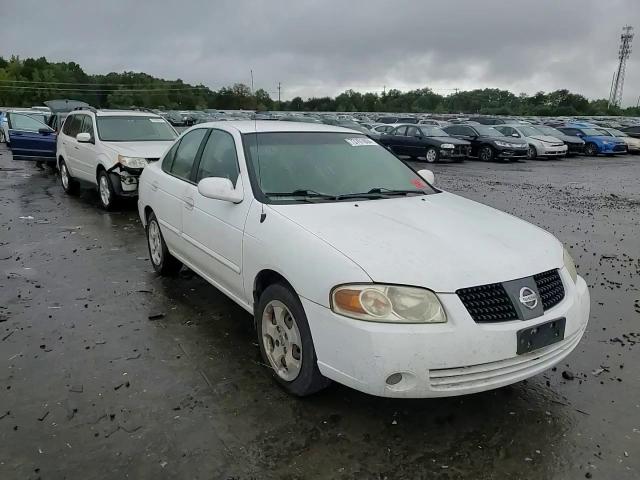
69, 184
431, 155
163, 262
2, 139
486, 153
591, 150
282, 328
532, 153
106, 194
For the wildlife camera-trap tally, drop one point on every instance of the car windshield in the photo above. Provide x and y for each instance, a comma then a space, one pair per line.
594, 132
318, 166
617, 133
528, 131
134, 129
433, 132
485, 131
548, 130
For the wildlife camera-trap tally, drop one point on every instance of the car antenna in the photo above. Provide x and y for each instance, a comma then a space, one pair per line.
263, 215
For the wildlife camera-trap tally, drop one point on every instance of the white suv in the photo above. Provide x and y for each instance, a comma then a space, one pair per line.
109, 149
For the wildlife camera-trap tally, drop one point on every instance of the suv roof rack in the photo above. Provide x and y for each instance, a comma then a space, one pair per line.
87, 107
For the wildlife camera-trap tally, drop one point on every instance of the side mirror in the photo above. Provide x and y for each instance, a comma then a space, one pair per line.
219, 188
83, 137
428, 176
515, 135
45, 131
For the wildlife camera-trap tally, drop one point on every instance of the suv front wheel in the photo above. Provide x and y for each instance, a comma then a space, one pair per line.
106, 193
69, 184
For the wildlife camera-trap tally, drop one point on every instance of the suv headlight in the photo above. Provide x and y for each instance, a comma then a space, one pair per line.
570, 265
387, 304
132, 162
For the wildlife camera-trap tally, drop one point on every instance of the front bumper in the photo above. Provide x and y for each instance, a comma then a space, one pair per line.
512, 153
553, 151
125, 180
575, 147
440, 360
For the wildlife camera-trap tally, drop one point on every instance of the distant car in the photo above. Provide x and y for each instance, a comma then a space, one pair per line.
488, 120
29, 138
109, 149
575, 145
540, 145
426, 141
633, 131
392, 119
435, 123
489, 144
633, 144
299, 118
596, 142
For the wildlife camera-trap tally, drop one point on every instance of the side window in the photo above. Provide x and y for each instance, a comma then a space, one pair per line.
399, 131
412, 132
466, 131
72, 125
186, 153
452, 130
24, 122
219, 157
168, 158
87, 125
503, 130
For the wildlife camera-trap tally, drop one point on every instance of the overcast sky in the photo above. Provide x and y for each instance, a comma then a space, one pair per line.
323, 47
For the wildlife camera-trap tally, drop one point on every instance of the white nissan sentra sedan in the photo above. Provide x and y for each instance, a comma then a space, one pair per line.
355, 267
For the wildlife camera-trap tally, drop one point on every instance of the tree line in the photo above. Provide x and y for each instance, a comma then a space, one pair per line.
29, 82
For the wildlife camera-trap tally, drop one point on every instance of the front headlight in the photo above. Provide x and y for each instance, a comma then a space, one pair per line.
502, 144
604, 142
447, 145
132, 162
387, 303
570, 265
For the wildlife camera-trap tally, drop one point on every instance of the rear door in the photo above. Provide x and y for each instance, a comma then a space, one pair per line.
85, 153
414, 142
397, 140
171, 189
30, 139
71, 128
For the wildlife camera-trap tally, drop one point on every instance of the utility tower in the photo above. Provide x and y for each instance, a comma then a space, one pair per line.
617, 85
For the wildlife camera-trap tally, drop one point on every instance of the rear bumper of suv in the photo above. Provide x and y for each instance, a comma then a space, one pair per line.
440, 360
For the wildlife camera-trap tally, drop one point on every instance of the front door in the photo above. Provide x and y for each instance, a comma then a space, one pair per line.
30, 139
213, 229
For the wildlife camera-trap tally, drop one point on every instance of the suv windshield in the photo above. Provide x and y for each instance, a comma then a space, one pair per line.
134, 129
301, 166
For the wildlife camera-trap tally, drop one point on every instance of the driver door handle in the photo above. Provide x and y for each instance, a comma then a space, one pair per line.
188, 203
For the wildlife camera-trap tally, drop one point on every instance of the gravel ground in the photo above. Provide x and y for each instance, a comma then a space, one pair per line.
107, 371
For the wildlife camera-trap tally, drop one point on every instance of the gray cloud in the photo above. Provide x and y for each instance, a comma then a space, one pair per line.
319, 47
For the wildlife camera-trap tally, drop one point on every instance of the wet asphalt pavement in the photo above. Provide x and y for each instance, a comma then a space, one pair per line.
91, 387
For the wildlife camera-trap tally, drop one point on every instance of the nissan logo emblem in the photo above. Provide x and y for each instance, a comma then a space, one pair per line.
528, 298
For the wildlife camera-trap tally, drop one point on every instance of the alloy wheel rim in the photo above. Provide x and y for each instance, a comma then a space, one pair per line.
64, 176
155, 243
281, 340
104, 191
431, 156
485, 155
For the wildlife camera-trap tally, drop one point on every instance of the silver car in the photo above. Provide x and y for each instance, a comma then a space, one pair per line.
540, 145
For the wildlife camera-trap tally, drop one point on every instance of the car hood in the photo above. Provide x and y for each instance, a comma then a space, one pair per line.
441, 241
140, 149
605, 138
546, 138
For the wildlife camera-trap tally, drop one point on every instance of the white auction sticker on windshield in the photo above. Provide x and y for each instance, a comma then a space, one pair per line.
359, 141
156, 120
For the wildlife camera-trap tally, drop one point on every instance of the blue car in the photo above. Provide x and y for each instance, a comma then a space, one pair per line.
30, 139
595, 141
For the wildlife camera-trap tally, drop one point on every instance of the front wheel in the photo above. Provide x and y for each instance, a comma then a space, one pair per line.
105, 191
432, 155
2, 139
486, 153
591, 149
532, 153
285, 341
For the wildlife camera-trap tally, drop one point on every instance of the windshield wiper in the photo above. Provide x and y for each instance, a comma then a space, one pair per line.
389, 191
377, 193
301, 193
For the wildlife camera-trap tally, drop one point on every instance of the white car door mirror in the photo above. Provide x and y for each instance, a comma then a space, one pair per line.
428, 176
83, 137
219, 188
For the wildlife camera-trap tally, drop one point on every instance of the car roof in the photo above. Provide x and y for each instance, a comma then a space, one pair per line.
266, 126
117, 113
